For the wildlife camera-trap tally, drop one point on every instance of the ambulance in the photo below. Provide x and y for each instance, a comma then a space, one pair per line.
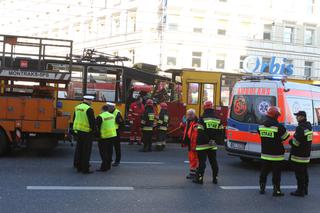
250, 99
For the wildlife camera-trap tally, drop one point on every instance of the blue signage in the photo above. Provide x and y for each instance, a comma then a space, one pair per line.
254, 64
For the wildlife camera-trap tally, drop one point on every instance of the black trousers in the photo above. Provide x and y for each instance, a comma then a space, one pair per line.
275, 167
83, 151
106, 151
212, 156
117, 147
147, 140
301, 172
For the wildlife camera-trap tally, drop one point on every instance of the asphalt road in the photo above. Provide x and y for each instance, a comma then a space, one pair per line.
144, 182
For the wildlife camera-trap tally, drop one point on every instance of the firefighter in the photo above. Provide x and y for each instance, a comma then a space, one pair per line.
118, 123
107, 134
147, 123
136, 110
162, 127
272, 135
190, 139
300, 153
84, 129
208, 129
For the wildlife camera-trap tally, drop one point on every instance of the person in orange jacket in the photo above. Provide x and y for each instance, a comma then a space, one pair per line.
136, 110
189, 139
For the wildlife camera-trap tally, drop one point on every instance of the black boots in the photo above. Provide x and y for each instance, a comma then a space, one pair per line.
262, 188
198, 179
191, 175
215, 180
276, 191
300, 192
306, 191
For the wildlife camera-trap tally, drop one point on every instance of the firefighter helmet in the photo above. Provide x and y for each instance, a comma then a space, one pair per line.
163, 105
208, 105
273, 112
149, 102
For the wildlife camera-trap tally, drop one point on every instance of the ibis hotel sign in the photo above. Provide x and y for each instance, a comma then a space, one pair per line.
279, 66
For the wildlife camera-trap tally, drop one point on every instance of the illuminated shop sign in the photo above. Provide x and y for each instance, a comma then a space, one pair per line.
254, 64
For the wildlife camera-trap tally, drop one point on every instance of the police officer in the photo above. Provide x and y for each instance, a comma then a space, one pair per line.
83, 128
162, 127
208, 129
272, 135
300, 153
147, 122
107, 136
118, 123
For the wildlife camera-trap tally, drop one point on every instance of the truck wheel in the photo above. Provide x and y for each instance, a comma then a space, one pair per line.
246, 160
3, 143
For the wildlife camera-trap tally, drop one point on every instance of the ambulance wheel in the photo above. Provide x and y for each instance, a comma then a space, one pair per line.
246, 160
3, 143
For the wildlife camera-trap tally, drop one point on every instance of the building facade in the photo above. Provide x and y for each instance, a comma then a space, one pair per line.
214, 35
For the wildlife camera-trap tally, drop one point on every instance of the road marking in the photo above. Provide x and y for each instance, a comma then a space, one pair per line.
84, 188
253, 187
134, 162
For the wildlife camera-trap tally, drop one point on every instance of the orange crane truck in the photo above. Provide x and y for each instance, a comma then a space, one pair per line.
29, 110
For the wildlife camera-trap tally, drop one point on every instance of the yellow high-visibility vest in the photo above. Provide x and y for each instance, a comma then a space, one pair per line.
108, 127
81, 122
115, 113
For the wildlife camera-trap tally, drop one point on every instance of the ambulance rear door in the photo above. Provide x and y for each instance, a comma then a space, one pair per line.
251, 99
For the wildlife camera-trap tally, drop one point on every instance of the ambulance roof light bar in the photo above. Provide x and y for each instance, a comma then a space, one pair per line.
264, 77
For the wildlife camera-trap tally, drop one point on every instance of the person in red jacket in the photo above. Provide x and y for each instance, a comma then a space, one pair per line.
136, 110
189, 139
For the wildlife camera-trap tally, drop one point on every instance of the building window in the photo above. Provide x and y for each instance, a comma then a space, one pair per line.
222, 25
267, 32
173, 21
245, 29
310, 6
266, 60
132, 55
196, 59
115, 24
131, 22
308, 68
171, 61
198, 24
288, 35
221, 32
220, 61
308, 36
116, 2
241, 61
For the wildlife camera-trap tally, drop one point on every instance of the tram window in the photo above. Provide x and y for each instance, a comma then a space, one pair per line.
316, 106
102, 86
193, 93
208, 92
75, 86
227, 84
225, 96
